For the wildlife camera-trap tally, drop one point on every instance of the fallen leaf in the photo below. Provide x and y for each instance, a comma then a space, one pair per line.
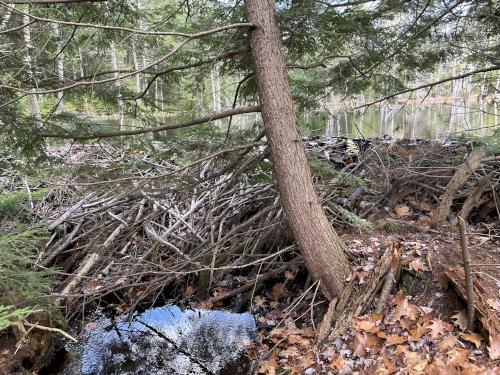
298, 340
308, 360
474, 338
269, 367
460, 320
279, 291
391, 367
495, 305
404, 308
417, 265
494, 348
417, 333
338, 363
438, 328
457, 356
366, 326
402, 209
290, 352
395, 340
447, 343
415, 362
365, 341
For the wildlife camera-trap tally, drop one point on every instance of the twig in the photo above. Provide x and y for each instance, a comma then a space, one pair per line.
72, 209
51, 329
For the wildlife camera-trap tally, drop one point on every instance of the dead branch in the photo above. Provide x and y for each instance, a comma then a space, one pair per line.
468, 272
459, 178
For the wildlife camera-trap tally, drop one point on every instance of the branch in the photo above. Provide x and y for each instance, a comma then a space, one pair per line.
185, 124
143, 69
54, 1
22, 26
188, 66
195, 64
108, 27
430, 85
346, 4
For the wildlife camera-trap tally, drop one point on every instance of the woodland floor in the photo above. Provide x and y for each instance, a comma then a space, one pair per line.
226, 246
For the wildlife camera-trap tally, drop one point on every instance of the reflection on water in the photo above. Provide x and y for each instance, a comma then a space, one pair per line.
433, 121
164, 341
429, 121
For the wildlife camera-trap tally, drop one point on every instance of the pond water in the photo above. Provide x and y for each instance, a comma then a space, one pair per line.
166, 340
431, 121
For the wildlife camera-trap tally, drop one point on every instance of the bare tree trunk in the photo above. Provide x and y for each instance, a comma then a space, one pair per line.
216, 93
32, 98
118, 85
321, 248
6, 17
138, 87
59, 68
82, 74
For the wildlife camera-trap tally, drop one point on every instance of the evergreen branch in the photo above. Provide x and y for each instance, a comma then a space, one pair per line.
185, 124
430, 85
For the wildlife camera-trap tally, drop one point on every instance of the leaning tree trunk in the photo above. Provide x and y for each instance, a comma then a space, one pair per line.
321, 248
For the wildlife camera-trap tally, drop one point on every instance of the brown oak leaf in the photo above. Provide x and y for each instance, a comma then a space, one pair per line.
460, 320
457, 356
405, 309
395, 340
494, 347
269, 367
279, 291
417, 265
447, 343
417, 333
365, 341
438, 328
474, 338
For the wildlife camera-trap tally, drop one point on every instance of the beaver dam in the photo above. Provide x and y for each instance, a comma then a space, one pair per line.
104, 243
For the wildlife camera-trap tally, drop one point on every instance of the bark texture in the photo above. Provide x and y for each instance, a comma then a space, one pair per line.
321, 248
472, 163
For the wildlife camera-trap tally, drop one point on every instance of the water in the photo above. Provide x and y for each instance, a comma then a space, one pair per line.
432, 121
424, 121
166, 341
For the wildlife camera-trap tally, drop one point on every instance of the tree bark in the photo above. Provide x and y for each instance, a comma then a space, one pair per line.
460, 177
118, 85
28, 59
216, 89
321, 248
59, 68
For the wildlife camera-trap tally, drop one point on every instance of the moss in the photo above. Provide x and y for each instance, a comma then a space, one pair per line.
14, 202
328, 172
351, 218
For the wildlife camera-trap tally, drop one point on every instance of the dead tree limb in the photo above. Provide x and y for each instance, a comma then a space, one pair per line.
468, 272
390, 280
459, 178
473, 199
354, 301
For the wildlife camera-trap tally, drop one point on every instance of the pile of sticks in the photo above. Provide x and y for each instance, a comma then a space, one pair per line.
161, 227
